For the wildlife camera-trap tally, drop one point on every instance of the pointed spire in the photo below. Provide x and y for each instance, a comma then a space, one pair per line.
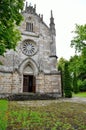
42, 17
51, 19
30, 8
35, 8
26, 4
52, 25
51, 14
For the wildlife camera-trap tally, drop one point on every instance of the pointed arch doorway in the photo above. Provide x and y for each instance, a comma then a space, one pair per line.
29, 80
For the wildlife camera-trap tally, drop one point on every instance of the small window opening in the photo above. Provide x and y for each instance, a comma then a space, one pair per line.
29, 27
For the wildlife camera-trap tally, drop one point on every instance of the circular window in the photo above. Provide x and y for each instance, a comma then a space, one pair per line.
29, 48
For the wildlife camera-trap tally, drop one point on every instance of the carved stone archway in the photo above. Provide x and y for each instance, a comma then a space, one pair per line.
29, 62
28, 70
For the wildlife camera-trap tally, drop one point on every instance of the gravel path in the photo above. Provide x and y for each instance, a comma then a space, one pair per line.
75, 99
38, 103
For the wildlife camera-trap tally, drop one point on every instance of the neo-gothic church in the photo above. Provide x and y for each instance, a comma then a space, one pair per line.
32, 67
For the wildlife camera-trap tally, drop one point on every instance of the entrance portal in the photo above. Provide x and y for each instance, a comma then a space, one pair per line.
29, 83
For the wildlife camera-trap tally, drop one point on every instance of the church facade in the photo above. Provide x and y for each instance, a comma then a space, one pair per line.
32, 67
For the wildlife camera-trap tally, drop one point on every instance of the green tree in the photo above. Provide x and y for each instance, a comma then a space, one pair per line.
75, 86
74, 64
77, 68
67, 82
82, 71
79, 41
61, 65
10, 18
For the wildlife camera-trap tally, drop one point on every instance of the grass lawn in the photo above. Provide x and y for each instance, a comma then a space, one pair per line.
3, 114
80, 94
56, 115
49, 115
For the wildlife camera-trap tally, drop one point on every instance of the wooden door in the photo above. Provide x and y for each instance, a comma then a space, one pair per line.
25, 83
29, 83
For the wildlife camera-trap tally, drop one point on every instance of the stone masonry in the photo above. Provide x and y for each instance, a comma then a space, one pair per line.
32, 67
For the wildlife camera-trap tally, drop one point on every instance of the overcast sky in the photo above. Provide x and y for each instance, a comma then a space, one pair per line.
66, 14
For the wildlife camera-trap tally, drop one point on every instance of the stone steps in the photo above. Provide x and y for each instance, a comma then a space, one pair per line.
31, 96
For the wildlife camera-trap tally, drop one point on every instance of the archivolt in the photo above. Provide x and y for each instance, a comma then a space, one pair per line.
29, 62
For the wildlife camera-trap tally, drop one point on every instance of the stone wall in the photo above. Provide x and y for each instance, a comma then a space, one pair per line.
9, 82
5, 82
48, 83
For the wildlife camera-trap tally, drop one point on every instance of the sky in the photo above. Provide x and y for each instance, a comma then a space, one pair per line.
66, 14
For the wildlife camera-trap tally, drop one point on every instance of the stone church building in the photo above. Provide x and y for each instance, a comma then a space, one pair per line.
32, 67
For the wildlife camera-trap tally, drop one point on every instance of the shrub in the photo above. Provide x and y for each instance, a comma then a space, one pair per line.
68, 94
67, 82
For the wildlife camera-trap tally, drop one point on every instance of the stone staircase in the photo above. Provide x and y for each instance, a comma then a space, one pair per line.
31, 96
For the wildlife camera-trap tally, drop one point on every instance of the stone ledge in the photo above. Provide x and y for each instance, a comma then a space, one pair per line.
53, 73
